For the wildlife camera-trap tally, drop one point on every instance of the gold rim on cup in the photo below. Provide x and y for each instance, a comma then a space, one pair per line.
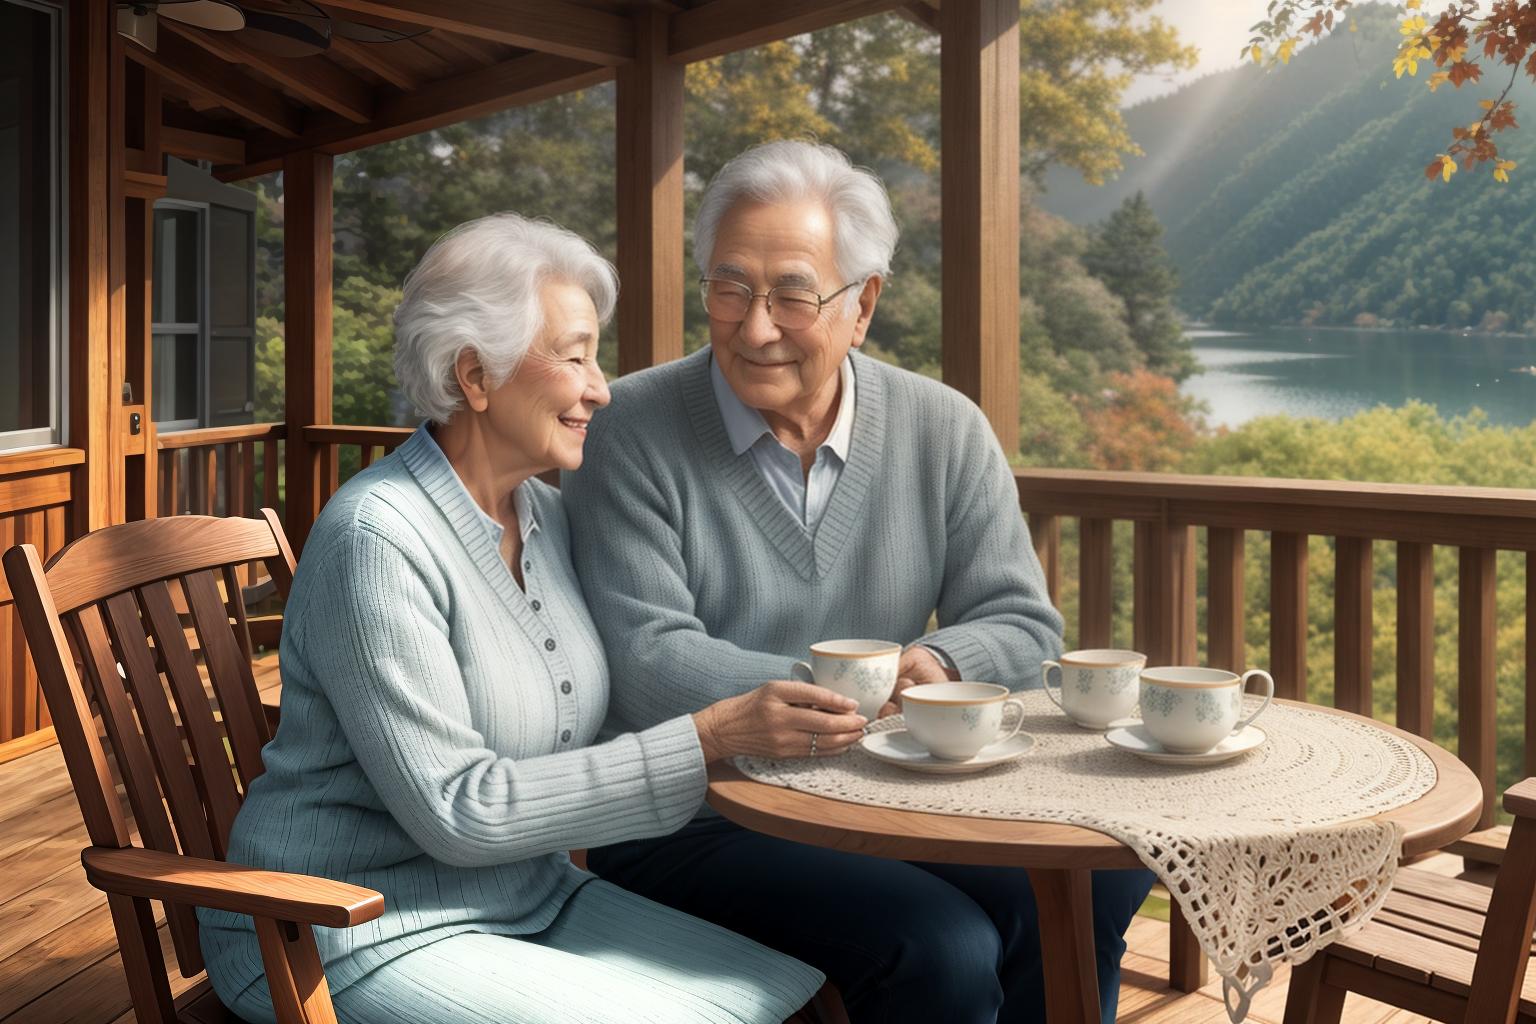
1221, 677
1115, 658
886, 648
940, 702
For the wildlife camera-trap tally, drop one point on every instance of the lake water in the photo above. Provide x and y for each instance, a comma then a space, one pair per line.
1332, 374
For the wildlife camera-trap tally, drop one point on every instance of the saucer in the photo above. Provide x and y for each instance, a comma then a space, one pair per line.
1130, 734
898, 747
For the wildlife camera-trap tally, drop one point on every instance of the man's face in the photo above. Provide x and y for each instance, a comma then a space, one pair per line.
764, 245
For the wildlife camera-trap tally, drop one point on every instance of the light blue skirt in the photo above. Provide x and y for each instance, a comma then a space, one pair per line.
610, 956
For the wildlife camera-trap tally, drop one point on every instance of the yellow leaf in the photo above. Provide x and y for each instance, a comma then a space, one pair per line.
1474, 127
1485, 104
1412, 5
1438, 79
1257, 54
1353, 27
1284, 53
1447, 167
1499, 174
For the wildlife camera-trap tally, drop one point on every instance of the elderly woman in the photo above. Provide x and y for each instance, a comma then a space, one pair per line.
443, 685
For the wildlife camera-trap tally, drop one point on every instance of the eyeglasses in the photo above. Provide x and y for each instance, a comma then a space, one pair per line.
791, 308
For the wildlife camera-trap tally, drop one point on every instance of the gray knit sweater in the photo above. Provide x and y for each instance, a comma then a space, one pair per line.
704, 585
436, 727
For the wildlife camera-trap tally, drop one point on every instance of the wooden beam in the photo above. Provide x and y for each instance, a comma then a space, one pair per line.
191, 145
979, 109
376, 59
920, 14
307, 254
89, 174
180, 61
319, 81
650, 200
549, 26
726, 26
512, 83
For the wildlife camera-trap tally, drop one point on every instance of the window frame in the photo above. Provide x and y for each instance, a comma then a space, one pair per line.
199, 330
52, 435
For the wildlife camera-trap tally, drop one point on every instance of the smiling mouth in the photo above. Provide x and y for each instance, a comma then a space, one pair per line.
575, 424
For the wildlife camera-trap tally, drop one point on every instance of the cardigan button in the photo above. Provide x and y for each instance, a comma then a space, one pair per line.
565, 736
565, 686
527, 567
536, 606
549, 644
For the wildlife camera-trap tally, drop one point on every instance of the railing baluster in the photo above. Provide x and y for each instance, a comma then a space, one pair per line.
1165, 593
1530, 663
367, 455
248, 476
1096, 582
233, 504
1226, 615
1045, 535
1476, 709
210, 488
173, 484
1288, 614
269, 468
1353, 578
1416, 638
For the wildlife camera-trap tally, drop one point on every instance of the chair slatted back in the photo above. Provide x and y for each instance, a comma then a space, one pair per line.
109, 601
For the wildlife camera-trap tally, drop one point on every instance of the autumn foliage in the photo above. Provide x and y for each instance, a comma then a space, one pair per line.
1457, 42
1139, 422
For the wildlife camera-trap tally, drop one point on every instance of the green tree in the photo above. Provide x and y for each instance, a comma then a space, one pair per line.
1126, 253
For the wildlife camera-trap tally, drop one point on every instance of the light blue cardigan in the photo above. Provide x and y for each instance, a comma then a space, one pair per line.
436, 732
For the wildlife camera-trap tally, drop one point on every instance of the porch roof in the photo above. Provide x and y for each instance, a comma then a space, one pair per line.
479, 56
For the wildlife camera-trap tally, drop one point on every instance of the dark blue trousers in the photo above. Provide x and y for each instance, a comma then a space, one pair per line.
901, 941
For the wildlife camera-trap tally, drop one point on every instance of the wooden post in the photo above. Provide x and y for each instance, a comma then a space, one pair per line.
307, 332
1352, 621
91, 425
1416, 639
649, 181
979, 75
1227, 624
140, 477
1288, 614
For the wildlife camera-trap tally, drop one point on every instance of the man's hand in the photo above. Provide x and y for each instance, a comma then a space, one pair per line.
918, 665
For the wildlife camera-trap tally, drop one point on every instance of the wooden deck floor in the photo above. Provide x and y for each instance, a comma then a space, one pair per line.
59, 960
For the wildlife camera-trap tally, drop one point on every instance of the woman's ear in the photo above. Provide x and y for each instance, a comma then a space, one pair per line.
471, 377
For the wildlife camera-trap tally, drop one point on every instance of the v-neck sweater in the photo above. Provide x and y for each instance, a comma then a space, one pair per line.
704, 585
437, 727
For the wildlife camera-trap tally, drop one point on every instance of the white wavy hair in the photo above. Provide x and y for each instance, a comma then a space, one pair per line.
863, 228
478, 287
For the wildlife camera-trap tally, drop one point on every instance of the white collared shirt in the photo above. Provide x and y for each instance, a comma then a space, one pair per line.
806, 496
526, 522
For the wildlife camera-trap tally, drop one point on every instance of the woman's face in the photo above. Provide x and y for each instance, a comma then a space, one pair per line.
541, 412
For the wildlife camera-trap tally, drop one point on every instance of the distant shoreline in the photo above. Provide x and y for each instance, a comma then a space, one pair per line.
1215, 331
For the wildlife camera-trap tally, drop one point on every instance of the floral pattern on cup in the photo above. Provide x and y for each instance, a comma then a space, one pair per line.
1160, 701
1208, 708
868, 679
971, 717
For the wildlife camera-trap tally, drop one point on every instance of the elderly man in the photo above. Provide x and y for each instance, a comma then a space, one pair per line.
777, 489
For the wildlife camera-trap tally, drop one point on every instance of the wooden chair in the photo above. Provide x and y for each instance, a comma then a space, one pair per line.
1448, 949
105, 607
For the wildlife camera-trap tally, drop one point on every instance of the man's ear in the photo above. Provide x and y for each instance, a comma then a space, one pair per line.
868, 296
471, 377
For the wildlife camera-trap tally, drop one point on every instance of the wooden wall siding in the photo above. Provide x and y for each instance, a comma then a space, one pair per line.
33, 510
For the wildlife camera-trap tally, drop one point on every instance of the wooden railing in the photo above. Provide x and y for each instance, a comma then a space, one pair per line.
220, 471
346, 450
1174, 517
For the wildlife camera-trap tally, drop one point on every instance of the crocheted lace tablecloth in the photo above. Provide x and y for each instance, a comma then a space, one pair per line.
1267, 855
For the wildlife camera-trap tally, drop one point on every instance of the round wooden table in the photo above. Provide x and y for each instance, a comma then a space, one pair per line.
1057, 857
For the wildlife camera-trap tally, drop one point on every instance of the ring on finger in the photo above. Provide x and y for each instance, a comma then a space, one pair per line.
813, 744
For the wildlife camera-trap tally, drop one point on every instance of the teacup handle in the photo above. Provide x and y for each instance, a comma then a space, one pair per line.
1045, 680
1269, 695
1011, 733
802, 671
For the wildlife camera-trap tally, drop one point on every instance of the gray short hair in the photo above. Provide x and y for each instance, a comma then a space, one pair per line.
863, 229
477, 287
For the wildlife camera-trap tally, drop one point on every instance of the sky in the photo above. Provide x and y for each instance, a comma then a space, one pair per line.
1219, 28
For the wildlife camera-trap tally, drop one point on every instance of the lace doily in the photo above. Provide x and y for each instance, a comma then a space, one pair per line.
1266, 855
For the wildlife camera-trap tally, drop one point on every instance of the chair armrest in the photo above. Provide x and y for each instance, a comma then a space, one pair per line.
303, 899
1520, 799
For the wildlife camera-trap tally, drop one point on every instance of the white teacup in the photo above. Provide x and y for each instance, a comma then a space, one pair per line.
864, 670
1189, 710
1096, 686
955, 720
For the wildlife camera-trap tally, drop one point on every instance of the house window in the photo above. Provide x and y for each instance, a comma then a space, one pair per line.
203, 303
31, 246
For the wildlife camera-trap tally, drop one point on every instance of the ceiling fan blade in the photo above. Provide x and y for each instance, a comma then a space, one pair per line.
214, 15
142, 28
285, 36
359, 32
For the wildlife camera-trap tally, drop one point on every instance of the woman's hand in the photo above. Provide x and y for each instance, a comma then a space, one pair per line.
780, 719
